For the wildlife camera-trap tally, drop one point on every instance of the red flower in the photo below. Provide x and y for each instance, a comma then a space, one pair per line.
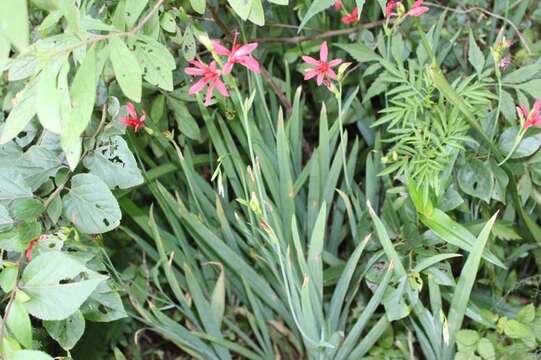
132, 120
417, 9
322, 68
237, 55
209, 75
351, 18
532, 118
338, 5
390, 7
28, 251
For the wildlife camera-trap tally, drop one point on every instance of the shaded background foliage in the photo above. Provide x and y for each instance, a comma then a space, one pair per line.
375, 218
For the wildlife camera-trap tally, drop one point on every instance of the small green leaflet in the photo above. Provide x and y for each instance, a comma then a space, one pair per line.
198, 6
315, 8
48, 98
127, 69
83, 97
21, 114
132, 10
186, 123
249, 10
113, 162
360, 52
51, 298
14, 22
475, 56
18, 323
90, 205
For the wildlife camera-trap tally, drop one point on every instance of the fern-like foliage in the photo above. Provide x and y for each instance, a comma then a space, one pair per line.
425, 131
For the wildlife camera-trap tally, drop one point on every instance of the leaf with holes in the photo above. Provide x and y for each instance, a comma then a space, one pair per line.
90, 205
57, 285
104, 305
476, 179
127, 69
157, 62
113, 162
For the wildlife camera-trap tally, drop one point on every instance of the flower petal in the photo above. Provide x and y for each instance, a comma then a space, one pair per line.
208, 97
330, 74
198, 86
310, 74
220, 86
131, 110
245, 49
323, 52
220, 49
194, 71
334, 62
536, 107
320, 78
250, 63
228, 67
310, 60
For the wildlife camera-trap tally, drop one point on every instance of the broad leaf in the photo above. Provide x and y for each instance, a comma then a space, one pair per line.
90, 205
127, 69
113, 162
14, 22
21, 114
66, 332
13, 186
57, 285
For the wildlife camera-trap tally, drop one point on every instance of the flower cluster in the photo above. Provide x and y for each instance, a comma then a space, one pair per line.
211, 75
396, 8
349, 18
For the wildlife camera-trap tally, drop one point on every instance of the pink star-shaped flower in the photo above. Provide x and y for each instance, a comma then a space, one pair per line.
338, 5
237, 55
133, 120
533, 117
321, 68
351, 18
210, 76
